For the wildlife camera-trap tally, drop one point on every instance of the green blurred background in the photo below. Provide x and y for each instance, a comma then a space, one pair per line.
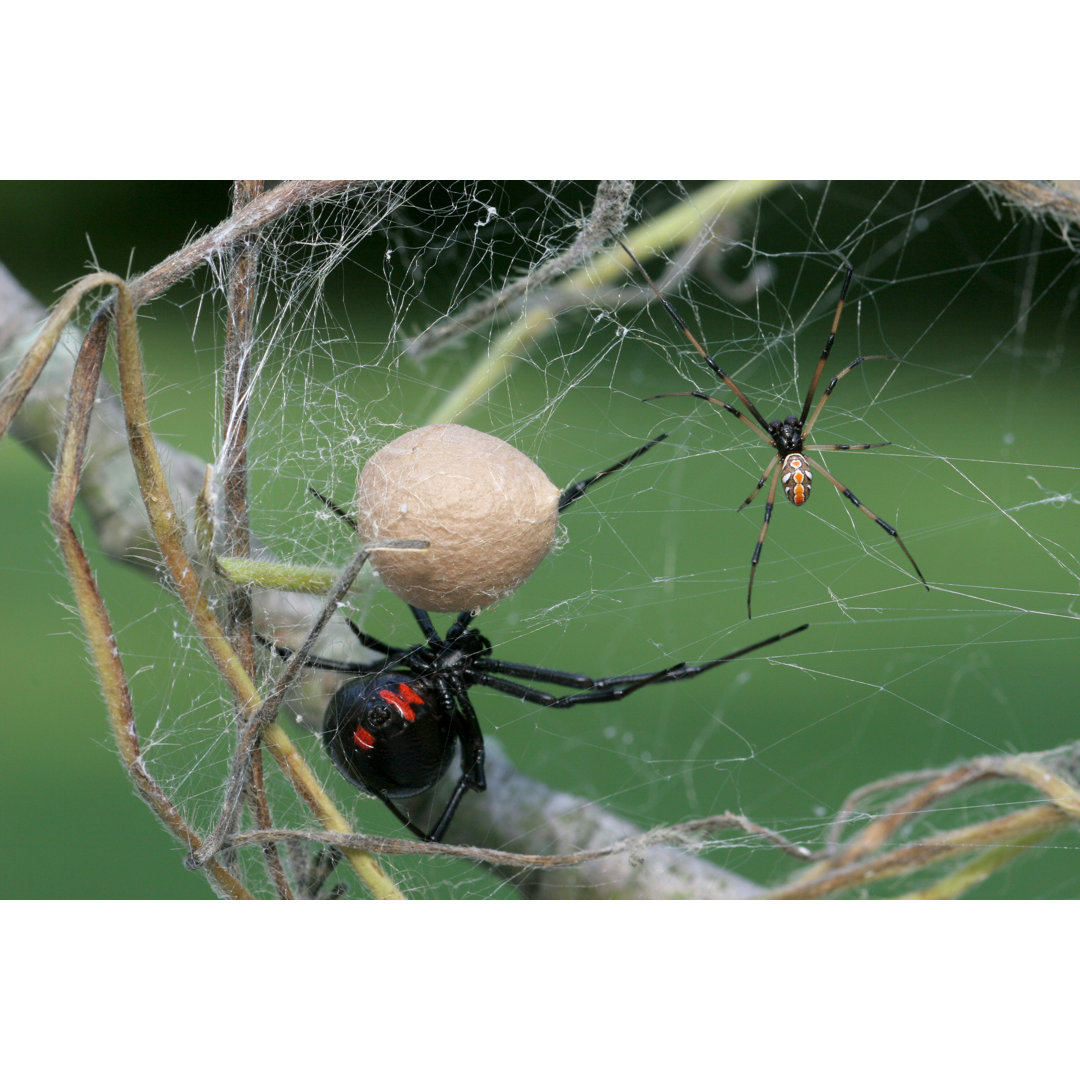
981, 304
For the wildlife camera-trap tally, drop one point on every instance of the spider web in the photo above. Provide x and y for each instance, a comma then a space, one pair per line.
378, 307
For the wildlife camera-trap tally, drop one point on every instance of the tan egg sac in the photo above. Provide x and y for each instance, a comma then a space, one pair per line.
487, 511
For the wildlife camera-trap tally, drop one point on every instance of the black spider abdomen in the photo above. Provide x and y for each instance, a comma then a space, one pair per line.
389, 735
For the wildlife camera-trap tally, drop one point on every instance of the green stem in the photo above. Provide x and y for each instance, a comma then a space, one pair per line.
286, 577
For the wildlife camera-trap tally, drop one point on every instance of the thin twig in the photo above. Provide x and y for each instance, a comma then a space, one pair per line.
1058, 200
1023, 828
687, 833
257, 214
236, 533
858, 863
608, 216
92, 607
849, 811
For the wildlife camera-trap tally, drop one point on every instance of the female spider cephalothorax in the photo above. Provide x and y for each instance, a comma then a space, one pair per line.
788, 437
393, 729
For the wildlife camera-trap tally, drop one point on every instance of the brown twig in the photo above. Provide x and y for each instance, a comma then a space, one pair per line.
257, 214
1020, 829
235, 532
1057, 200
859, 862
92, 608
686, 834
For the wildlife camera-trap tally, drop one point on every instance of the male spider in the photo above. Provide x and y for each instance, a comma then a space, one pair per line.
787, 437
392, 730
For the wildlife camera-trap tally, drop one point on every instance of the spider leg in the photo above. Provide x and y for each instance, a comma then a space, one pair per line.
470, 737
694, 341
375, 644
346, 667
577, 489
828, 390
761, 538
436, 834
331, 505
848, 494
614, 687
427, 627
849, 446
423, 620
812, 388
526, 693
466, 727
489, 665
461, 624
408, 821
720, 404
761, 483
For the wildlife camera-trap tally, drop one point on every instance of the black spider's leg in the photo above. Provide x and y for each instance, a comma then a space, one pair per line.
346, 667
470, 737
376, 645
722, 404
591, 693
471, 741
579, 487
461, 624
848, 446
423, 620
331, 505
427, 627
606, 689
436, 834
693, 341
848, 494
404, 818
761, 483
812, 388
761, 539
488, 664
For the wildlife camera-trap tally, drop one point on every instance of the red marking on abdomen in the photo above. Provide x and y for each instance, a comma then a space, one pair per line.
403, 701
363, 738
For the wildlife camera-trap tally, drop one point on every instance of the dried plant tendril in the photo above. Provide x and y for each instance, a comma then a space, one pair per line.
488, 512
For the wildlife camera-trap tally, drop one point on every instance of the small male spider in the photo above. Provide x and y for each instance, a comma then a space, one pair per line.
392, 730
787, 437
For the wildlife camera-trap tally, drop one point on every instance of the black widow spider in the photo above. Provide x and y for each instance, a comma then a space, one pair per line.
392, 730
787, 437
